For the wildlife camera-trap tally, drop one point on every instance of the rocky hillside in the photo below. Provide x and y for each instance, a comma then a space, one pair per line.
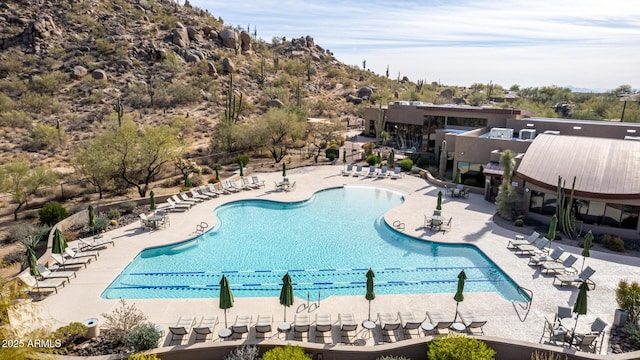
67, 67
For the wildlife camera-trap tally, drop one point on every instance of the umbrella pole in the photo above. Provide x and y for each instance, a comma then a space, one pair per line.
455, 317
369, 317
573, 333
285, 313
582, 267
225, 317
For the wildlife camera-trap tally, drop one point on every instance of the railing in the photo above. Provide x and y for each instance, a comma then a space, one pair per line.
527, 296
398, 225
201, 227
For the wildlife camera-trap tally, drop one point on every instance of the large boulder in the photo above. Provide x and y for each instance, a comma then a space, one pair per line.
245, 41
194, 34
354, 99
365, 92
310, 42
229, 38
79, 72
228, 66
181, 37
275, 103
99, 74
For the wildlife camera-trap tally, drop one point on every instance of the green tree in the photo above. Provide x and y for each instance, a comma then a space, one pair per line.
278, 130
22, 180
321, 134
95, 164
139, 154
288, 352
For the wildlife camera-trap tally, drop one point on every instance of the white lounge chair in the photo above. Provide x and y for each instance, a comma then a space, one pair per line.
180, 202
258, 182
565, 266
300, 324
95, 242
471, 322
512, 244
383, 172
358, 171
228, 188
184, 197
173, 206
247, 184
263, 325
410, 321
348, 170
388, 323
182, 329
46, 273
70, 254
241, 326
537, 249
539, 259
323, 324
214, 189
347, 325
584, 276
397, 173
439, 321
204, 190
196, 195
372, 172
205, 329
32, 283
61, 261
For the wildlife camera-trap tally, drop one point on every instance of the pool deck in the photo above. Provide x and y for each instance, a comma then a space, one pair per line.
472, 224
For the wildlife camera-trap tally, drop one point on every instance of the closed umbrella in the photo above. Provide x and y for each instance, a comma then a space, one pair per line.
241, 168
217, 173
588, 241
284, 170
286, 294
459, 296
92, 216
33, 262
59, 242
226, 297
344, 158
580, 307
551, 235
457, 180
152, 200
439, 203
370, 295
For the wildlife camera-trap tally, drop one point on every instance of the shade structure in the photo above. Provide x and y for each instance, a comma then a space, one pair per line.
92, 217
59, 242
551, 235
588, 241
286, 293
226, 297
459, 296
370, 294
33, 262
580, 307
152, 201
284, 170
439, 203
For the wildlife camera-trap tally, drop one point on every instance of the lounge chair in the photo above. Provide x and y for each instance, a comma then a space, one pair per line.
358, 171
173, 206
182, 329
372, 172
585, 342
241, 326
33, 283
235, 185
584, 276
410, 321
300, 324
228, 188
180, 202
383, 172
263, 324
212, 188
323, 324
512, 244
563, 312
205, 329
348, 171
388, 322
207, 192
61, 261
530, 250
397, 173
597, 328
539, 259
184, 197
70, 254
196, 195
439, 321
46, 273
95, 243
347, 324
565, 266
259, 183
471, 322
248, 184
290, 187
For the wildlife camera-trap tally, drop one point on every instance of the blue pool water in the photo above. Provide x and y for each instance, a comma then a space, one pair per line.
327, 243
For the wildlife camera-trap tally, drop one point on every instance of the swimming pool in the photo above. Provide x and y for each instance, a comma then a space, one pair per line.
326, 243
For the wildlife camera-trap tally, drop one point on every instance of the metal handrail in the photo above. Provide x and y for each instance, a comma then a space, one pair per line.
524, 292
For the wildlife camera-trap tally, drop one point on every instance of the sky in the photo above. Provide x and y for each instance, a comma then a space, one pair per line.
586, 44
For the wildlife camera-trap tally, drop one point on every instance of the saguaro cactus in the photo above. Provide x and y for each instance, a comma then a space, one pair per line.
119, 109
565, 210
231, 111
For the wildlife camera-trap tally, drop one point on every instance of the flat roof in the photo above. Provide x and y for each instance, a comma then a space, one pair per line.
584, 122
604, 168
455, 107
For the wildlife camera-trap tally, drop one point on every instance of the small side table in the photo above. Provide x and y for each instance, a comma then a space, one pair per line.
458, 327
519, 237
369, 325
225, 333
427, 327
284, 327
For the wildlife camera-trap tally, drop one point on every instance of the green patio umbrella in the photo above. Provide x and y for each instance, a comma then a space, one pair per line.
92, 217
457, 180
33, 262
152, 201
284, 170
286, 294
217, 173
379, 158
344, 158
59, 242
551, 235
391, 159
580, 307
459, 296
588, 241
439, 203
370, 295
226, 297
241, 168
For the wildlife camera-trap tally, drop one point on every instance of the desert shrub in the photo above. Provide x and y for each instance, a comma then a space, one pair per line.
102, 222
113, 214
12, 85
415, 170
16, 119
547, 355
456, 346
128, 207
613, 243
368, 148
406, 164
21, 231
372, 159
52, 213
244, 159
122, 320
143, 356
38, 103
519, 223
47, 137
143, 337
69, 336
628, 298
389, 357
183, 94
633, 333
49, 83
423, 162
13, 257
6, 104
288, 352
244, 352
184, 125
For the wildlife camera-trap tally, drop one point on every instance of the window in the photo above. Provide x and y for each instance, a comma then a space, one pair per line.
629, 218
466, 122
